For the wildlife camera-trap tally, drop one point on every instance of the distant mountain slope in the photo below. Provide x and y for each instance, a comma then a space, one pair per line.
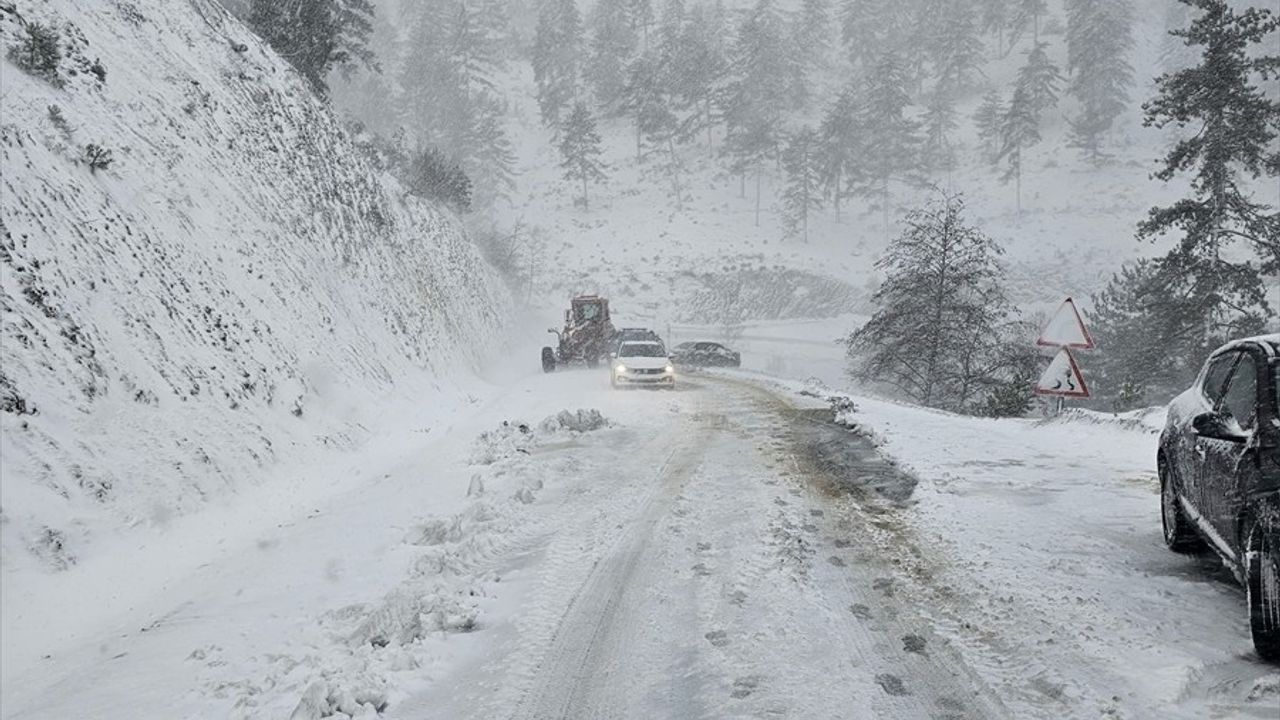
237, 287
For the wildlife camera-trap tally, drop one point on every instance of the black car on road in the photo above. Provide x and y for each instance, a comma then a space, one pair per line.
1219, 466
705, 354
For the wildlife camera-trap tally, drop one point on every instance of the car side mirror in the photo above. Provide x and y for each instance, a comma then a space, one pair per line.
613, 355
1214, 425
552, 330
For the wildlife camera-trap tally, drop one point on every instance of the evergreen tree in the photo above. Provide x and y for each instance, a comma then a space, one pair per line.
646, 101
812, 35
1155, 323
433, 175
38, 51
317, 36
703, 65
939, 121
988, 120
840, 135
1099, 39
614, 43
891, 137
1235, 125
955, 48
1019, 130
449, 95
804, 181
763, 84
1175, 52
557, 47
1026, 14
1038, 79
580, 149
994, 18
871, 28
937, 309
640, 13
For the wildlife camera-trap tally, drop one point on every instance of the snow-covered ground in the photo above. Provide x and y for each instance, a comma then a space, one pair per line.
724, 550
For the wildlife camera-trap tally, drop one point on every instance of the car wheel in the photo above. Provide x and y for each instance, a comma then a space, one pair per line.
1262, 589
548, 360
1179, 534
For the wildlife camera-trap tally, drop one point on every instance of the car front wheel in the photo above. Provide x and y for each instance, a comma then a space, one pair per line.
1262, 588
1179, 535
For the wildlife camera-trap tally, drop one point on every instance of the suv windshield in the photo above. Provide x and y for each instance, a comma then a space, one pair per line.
641, 350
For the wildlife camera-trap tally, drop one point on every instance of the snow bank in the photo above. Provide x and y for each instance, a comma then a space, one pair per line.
238, 288
355, 660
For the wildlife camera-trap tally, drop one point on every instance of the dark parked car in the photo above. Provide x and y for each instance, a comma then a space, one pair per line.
1219, 463
705, 354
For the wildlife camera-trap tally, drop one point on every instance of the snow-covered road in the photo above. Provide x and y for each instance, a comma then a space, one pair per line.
724, 550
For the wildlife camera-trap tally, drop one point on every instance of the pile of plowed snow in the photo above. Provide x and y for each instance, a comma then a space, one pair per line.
236, 288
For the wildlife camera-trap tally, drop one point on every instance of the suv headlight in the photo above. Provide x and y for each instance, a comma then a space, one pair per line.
620, 368
669, 369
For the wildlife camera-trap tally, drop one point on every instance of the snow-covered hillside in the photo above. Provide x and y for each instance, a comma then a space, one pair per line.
238, 288
666, 258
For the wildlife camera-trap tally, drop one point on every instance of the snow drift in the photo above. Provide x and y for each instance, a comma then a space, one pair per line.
237, 287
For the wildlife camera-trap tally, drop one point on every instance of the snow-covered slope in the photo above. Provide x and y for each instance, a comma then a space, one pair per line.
238, 288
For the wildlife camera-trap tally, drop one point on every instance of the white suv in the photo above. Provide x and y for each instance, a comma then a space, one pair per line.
642, 363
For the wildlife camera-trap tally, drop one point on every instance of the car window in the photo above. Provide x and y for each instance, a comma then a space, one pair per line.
641, 350
1216, 376
1275, 384
1241, 398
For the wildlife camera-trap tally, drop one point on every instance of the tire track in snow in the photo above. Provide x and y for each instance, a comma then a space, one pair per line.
579, 676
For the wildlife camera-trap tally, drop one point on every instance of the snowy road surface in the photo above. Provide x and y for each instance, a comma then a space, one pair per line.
724, 550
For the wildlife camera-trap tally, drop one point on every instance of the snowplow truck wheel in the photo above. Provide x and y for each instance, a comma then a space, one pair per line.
548, 360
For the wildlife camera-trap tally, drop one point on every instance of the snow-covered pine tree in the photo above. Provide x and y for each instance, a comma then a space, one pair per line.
449, 97
490, 159
941, 302
704, 67
955, 46
1235, 126
1019, 130
557, 51
763, 84
803, 193
891, 137
640, 13
1154, 325
1026, 16
995, 15
434, 175
870, 28
580, 149
1099, 39
938, 153
812, 35
987, 120
840, 136
1038, 79
317, 36
614, 42
646, 101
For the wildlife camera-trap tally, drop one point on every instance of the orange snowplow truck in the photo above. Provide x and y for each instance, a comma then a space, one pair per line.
586, 337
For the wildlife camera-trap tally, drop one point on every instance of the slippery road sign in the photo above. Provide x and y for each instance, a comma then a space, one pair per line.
1063, 378
1066, 329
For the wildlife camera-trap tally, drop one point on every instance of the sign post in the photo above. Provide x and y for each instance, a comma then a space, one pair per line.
1065, 330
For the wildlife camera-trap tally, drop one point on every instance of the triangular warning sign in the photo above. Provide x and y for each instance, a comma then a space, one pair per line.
1066, 329
1063, 377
